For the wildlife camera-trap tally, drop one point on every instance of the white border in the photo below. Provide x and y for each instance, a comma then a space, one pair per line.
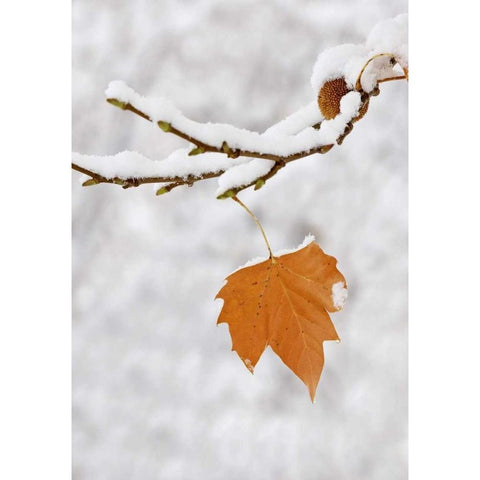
444, 242
35, 340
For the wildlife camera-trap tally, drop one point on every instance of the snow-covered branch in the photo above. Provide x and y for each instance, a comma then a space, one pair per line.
344, 78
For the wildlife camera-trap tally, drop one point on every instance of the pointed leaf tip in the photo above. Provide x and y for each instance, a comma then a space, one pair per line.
249, 365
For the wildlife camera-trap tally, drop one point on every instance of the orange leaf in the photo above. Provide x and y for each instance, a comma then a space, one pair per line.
283, 302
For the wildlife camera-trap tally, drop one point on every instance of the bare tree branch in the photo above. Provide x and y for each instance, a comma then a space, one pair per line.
202, 147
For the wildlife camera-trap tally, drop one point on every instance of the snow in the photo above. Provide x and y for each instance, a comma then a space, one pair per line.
292, 135
129, 164
377, 69
238, 172
340, 61
305, 117
306, 241
347, 60
248, 364
214, 134
157, 393
157, 109
162, 109
241, 175
339, 295
349, 107
278, 253
390, 36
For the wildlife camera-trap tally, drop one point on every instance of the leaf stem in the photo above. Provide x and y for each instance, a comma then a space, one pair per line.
257, 221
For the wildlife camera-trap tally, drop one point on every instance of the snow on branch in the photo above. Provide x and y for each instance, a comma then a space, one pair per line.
344, 78
363, 66
214, 136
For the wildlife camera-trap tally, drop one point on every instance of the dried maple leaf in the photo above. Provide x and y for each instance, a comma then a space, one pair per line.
284, 302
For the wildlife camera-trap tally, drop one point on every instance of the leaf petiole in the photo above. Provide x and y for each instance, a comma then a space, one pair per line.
257, 221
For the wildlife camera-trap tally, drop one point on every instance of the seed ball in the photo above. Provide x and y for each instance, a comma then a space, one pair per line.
329, 99
330, 95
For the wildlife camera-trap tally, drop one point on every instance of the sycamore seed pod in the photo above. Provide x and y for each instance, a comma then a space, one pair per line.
329, 99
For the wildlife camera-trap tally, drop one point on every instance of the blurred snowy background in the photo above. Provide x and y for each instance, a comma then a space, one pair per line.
157, 392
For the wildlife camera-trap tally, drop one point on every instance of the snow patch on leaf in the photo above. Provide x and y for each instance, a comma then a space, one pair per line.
306, 241
339, 295
248, 364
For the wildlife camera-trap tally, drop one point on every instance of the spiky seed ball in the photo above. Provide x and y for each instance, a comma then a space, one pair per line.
330, 95
329, 99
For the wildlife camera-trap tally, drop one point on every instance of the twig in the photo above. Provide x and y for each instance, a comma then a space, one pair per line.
393, 61
137, 181
391, 79
201, 147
